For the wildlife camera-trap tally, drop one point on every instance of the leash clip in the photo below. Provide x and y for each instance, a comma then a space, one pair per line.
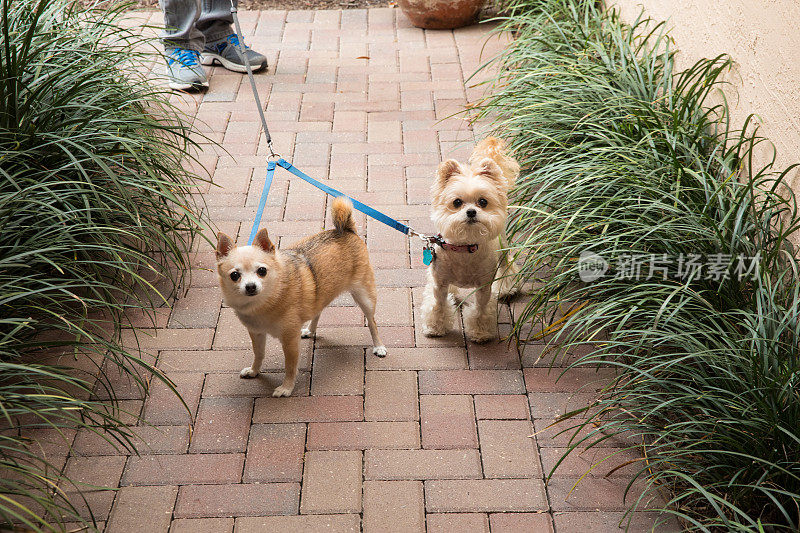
428, 242
428, 252
435, 239
429, 249
271, 150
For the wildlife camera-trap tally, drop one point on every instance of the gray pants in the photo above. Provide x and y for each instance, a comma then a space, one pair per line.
191, 23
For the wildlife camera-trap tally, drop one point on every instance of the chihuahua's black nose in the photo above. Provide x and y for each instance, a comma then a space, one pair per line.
471, 213
250, 289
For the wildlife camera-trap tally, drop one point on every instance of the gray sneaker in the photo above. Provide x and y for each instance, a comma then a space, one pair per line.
184, 71
226, 53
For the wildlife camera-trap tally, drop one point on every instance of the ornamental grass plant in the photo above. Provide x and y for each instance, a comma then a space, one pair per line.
627, 159
96, 216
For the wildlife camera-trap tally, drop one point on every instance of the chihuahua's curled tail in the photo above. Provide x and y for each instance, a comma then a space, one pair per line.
342, 213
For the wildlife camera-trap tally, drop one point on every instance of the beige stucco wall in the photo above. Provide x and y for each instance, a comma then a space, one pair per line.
763, 38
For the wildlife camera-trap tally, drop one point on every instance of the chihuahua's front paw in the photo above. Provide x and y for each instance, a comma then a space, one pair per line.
306, 333
283, 390
380, 351
248, 372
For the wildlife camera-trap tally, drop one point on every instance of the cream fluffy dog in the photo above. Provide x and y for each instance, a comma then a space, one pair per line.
469, 208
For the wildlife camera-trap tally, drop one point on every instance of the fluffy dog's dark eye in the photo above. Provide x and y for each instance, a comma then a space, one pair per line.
457, 202
235, 276
482, 202
262, 271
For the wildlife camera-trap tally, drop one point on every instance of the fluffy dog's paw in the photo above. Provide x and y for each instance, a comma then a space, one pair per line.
282, 391
248, 373
506, 285
380, 351
480, 337
480, 327
453, 299
305, 333
505, 289
433, 330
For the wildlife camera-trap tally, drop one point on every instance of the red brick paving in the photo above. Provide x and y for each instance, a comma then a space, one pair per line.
507, 449
332, 482
275, 453
202, 525
518, 522
146, 439
237, 499
458, 522
615, 522
394, 506
391, 396
212, 468
422, 464
485, 495
471, 382
222, 425
448, 422
362, 435
440, 434
327, 523
503, 407
135, 506
92, 474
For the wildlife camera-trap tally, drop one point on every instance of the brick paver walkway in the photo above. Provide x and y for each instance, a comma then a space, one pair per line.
437, 435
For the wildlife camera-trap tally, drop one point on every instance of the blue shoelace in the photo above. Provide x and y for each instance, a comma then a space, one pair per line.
234, 40
187, 58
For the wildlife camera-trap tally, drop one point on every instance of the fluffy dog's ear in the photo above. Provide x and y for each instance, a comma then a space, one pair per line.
447, 169
224, 245
490, 170
262, 241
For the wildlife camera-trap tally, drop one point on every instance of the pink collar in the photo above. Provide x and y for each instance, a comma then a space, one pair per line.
470, 248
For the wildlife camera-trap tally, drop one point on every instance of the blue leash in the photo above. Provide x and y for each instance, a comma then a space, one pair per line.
263, 201
364, 208
367, 210
360, 206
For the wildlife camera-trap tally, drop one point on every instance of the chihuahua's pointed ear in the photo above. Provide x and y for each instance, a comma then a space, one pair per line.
262, 241
490, 170
224, 245
447, 169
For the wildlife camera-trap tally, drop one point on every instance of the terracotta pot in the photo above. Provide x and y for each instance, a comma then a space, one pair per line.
441, 14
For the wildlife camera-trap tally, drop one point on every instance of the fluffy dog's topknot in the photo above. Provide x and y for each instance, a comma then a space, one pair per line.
496, 149
342, 213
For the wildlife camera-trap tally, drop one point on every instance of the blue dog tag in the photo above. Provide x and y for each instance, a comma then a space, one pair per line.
427, 256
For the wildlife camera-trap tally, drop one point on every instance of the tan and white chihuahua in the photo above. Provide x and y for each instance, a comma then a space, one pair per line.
276, 292
469, 208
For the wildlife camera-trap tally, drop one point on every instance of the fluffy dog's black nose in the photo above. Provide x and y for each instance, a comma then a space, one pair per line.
250, 289
471, 213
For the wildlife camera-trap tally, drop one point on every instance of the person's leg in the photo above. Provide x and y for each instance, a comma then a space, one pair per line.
182, 44
180, 30
215, 20
216, 24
